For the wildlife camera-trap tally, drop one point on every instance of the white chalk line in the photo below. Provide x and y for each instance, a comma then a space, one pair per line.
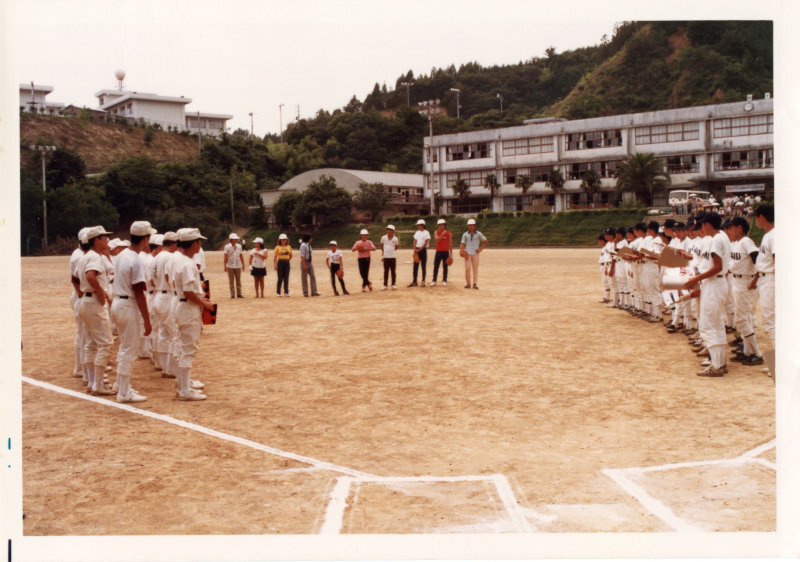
338, 501
317, 464
659, 509
337, 504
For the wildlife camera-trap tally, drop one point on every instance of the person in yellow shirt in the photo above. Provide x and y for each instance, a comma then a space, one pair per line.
281, 258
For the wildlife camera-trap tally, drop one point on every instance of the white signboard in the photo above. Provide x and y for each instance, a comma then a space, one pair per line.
745, 188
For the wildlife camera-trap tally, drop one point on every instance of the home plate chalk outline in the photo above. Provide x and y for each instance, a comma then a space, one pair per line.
660, 510
338, 501
334, 516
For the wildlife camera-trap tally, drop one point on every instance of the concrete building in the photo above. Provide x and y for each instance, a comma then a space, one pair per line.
405, 189
208, 124
32, 99
717, 148
168, 112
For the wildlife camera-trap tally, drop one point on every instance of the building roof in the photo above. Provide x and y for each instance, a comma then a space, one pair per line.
138, 96
36, 88
350, 179
208, 115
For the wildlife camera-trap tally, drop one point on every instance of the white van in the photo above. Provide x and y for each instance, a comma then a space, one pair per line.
682, 201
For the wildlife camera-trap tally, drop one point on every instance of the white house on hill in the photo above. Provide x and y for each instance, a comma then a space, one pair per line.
32, 98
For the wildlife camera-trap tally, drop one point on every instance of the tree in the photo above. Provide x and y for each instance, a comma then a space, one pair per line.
643, 175
437, 202
492, 185
590, 184
555, 180
323, 203
461, 191
371, 198
283, 209
524, 182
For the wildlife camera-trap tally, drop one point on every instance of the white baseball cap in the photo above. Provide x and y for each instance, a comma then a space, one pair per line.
332, 243
170, 236
113, 243
157, 239
94, 232
123, 243
440, 221
364, 231
420, 221
190, 234
142, 228
283, 237
470, 221
390, 227
82, 233
259, 240
233, 236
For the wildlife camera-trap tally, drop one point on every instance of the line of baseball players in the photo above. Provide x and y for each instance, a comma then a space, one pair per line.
149, 292
728, 275
473, 242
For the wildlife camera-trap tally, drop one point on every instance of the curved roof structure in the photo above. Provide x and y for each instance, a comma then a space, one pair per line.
350, 179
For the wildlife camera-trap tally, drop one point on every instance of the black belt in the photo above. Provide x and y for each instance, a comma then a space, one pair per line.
87, 294
182, 300
123, 297
741, 275
765, 274
163, 292
151, 292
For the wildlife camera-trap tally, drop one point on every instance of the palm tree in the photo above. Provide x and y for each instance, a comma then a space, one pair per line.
555, 181
461, 191
492, 185
642, 174
524, 182
590, 184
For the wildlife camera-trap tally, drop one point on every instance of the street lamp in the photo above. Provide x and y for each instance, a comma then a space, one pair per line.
407, 86
429, 108
500, 96
458, 105
280, 118
43, 149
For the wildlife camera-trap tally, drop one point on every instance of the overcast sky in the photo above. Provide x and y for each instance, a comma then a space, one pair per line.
241, 56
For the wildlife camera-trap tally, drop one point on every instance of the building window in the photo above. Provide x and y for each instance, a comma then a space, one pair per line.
468, 151
741, 126
472, 205
743, 160
534, 145
515, 203
683, 164
604, 169
594, 139
673, 132
428, 156
475, 178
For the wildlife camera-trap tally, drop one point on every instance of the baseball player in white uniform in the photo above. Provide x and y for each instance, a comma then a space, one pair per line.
744, 254
190, 301
129, 306
161, 304
765, 264
607, 254
93, 275
75, 261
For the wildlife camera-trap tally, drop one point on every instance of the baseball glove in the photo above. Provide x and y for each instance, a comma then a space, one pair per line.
449, 260
463, 253
416, 257
340, 273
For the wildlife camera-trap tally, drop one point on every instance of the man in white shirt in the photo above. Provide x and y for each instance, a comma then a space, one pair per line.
233, 265
389, 245
473, 242
765, 264
74, 263
742, 270
93, 275
130, 304
307, 267
191, 301
420, 247
713, 293
160, 316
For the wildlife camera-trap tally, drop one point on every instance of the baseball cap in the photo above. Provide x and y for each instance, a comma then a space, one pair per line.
669, 223
142, 228
363, 231
190, 234
653, 225
440, 221
113, 243
157, 239
679, 226
170, 236
470, 221
281, 237
95, 231
420, 221
233, 236
81, 233
332, 243
259, 240
390, 227
123, 243
609, 231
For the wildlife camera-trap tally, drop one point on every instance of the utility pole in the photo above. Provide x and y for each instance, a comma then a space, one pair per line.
298, 112
251, 123
408, 91
280, 117
233, 213
428, 108
199, 136
458, 105
44, 149
500, 96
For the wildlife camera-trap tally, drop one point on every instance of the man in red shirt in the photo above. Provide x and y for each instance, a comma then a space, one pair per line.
444, 251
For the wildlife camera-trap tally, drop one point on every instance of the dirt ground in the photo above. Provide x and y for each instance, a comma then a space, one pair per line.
529, 378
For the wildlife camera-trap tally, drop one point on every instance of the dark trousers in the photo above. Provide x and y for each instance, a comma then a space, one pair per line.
283, 276
389, 265
334, 268
363, 269
440, 257
423, 261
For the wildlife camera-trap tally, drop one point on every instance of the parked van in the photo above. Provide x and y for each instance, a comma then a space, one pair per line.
683, 201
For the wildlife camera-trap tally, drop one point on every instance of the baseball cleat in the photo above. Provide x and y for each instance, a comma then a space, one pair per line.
131, 397
197, 385
753, 360
192, 395
711, 372
104, 391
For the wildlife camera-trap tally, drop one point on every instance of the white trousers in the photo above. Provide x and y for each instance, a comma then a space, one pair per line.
712, 314
160, 321
77, 344
189, 325
126, 316
766, 298
97, 345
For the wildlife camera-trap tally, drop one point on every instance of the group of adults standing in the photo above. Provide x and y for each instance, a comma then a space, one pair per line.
473, 242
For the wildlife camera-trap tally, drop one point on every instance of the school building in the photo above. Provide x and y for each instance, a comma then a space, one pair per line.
721, 148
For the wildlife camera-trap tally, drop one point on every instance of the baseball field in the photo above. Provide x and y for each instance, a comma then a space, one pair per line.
524, 407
